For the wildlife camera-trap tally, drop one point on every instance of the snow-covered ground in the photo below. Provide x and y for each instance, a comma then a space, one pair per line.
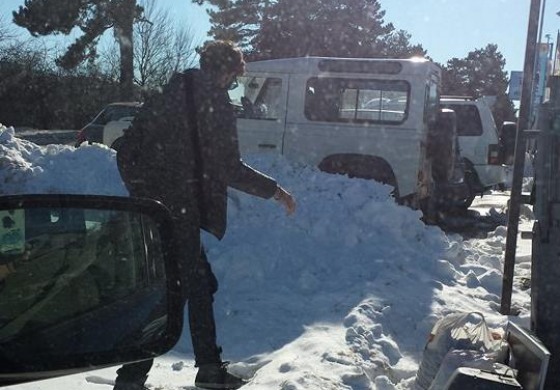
341, 295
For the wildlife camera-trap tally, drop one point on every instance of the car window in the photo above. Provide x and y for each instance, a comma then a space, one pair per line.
58, 239
432, 101
114, 113
468, 119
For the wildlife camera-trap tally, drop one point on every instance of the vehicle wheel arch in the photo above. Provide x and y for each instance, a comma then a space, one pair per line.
361, 166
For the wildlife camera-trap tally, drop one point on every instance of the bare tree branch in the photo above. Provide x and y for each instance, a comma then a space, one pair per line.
7, 33
162, 48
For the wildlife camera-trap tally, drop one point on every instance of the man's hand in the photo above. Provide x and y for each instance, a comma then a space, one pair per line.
285, 199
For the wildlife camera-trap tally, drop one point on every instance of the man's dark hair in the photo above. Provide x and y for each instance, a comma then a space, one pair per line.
219, 57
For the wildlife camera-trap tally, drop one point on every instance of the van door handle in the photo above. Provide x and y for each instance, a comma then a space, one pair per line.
267, 146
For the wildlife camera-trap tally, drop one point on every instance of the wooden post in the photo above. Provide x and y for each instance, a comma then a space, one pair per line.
519, 160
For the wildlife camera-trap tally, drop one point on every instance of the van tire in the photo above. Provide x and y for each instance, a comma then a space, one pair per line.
473, 182
362, 167
117, 143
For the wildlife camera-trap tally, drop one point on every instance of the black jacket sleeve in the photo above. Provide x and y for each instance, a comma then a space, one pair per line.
219, 145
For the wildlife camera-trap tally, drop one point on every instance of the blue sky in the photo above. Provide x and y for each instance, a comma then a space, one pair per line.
446, 28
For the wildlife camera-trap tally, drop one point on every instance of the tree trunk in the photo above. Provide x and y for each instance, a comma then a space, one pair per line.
123, 34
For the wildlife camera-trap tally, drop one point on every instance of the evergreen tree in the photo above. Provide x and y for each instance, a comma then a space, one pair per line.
322, 28
397, 45
292, 28
480, 73
235, 20
93, 18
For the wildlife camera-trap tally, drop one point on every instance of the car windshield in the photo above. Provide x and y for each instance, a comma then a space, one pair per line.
114, 113
346, 164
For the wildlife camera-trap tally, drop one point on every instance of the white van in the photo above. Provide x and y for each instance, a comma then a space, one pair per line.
378, 119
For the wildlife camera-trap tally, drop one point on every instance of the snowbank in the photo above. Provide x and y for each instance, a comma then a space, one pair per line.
341, 295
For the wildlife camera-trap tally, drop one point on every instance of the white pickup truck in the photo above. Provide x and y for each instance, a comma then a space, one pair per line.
377, 119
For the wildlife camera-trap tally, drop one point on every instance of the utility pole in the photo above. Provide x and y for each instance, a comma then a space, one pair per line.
519, 159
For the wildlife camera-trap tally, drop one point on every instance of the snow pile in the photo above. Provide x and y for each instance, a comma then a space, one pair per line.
340, 295
28, 168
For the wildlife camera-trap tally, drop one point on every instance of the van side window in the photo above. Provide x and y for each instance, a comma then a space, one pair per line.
257, 97
468, 119
432, 102
323, 99
351, 100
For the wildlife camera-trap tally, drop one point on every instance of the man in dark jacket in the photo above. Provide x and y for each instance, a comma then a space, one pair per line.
200, 164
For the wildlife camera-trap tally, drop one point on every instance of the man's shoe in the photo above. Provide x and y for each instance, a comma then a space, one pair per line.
123, 385
216, 376
129, 386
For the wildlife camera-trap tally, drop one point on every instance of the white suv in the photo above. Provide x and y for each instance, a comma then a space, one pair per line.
478, 143
108, 126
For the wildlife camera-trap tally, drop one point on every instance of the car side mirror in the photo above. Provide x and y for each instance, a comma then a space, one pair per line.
86, 282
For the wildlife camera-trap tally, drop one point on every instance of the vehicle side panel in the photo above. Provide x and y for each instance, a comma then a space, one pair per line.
311, 141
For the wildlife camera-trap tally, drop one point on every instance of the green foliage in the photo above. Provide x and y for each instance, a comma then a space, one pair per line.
397, 45
35, 93
93, 18
237, 20
321, 28
293, 28
480, 73
43, 17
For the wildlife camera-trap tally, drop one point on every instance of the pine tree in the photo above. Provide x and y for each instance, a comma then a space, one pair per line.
93, 18
397, 45
235, 20
480, 73
291, 28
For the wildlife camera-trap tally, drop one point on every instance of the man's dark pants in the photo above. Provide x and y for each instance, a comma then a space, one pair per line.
200, 285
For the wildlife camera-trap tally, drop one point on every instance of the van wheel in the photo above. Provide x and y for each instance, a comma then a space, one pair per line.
471, 180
